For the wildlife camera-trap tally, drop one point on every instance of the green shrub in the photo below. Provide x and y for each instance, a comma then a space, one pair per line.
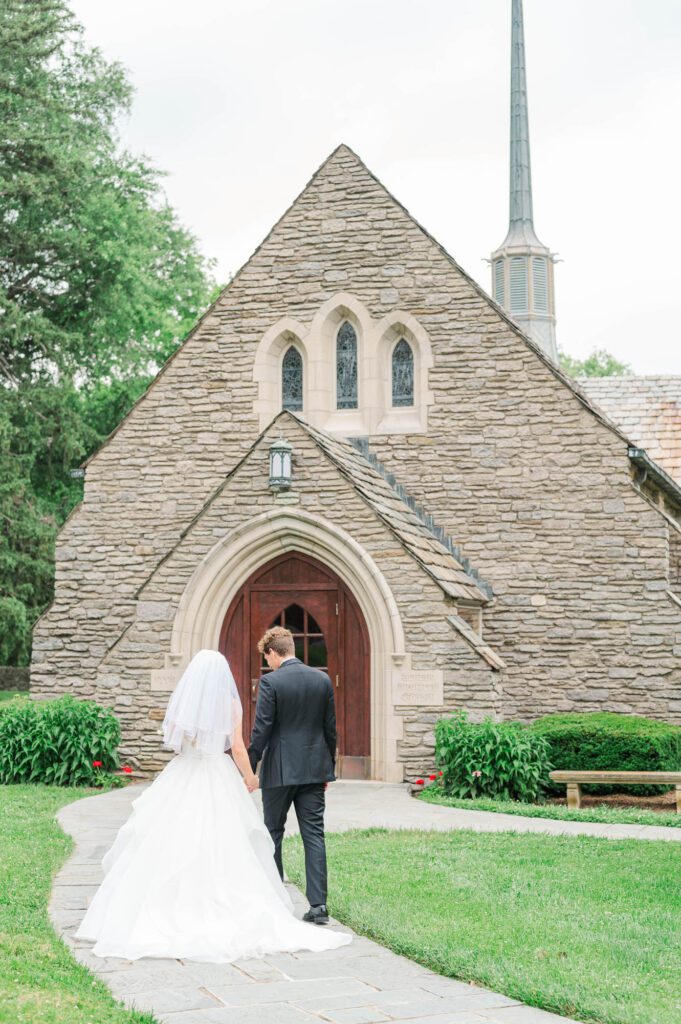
490, 759
56, 741
605, 741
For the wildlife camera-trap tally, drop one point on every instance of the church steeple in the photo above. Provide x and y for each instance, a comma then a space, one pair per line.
522, 267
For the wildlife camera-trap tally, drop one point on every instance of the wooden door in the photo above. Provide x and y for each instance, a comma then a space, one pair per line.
298, 592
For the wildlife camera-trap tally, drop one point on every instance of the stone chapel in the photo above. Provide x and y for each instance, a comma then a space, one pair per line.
356, 441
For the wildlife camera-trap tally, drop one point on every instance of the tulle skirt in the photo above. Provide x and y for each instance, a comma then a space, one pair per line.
191, 875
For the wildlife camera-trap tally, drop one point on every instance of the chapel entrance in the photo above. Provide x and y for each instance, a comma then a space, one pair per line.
302, 594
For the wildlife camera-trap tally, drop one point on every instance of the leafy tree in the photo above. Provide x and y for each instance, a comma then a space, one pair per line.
45, 430
96, 274
599, 364
26, 550
98, 284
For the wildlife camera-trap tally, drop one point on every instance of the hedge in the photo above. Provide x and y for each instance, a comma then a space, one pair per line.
606, 741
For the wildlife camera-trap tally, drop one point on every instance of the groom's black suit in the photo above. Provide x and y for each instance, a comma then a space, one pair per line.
295, 736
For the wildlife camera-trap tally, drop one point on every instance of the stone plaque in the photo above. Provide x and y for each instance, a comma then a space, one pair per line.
165, 679
421, 689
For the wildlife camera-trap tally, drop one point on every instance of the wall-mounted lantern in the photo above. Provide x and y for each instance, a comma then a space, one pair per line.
280, 464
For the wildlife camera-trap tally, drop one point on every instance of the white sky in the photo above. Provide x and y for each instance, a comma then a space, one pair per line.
241, 102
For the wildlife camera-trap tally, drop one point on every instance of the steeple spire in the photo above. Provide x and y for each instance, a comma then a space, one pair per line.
522, 267
520, 207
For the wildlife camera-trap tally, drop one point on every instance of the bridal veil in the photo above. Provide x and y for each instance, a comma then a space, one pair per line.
204, 706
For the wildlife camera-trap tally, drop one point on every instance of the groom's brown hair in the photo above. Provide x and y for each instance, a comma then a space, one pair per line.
279, 640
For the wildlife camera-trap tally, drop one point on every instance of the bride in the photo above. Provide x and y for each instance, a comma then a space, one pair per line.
191, 874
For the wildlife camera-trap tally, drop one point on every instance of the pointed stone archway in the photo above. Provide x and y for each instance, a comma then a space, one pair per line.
301, 593
229, 565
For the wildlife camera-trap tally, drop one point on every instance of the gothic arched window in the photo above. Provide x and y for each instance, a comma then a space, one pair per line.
346, 367
292, 380
403, 373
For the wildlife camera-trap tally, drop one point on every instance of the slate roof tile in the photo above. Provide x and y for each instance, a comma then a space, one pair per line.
647, 410
404, 522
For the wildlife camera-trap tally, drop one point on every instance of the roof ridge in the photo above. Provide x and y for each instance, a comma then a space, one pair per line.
361, 444
584, 378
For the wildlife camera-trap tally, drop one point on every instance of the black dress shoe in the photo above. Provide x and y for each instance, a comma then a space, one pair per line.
317, 915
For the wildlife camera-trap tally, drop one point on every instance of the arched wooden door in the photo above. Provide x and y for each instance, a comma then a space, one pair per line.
330, 633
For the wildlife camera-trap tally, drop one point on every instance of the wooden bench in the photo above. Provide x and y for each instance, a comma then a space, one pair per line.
575, 780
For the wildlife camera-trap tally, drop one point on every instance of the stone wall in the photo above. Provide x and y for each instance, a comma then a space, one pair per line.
13, 678
521, 473
675, 560
122, 677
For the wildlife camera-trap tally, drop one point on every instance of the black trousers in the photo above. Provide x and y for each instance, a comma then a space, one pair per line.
309, 803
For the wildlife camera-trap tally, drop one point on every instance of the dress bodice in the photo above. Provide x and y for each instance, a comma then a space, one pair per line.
212, 745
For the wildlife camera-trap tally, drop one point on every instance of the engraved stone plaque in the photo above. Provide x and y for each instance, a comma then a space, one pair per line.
421, 689
165, 679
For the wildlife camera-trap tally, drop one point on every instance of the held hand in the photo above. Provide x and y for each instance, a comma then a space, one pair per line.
252, 783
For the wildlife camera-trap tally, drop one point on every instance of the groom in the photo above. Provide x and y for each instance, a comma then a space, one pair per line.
295, 735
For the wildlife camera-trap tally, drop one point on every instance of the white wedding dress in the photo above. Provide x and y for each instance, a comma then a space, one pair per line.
191, 874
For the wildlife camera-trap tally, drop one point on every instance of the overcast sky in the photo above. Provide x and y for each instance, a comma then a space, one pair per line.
241, 102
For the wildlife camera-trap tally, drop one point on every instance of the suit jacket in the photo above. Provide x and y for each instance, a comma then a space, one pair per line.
295, 727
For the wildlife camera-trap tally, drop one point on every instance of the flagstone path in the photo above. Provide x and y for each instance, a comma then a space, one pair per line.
361, 983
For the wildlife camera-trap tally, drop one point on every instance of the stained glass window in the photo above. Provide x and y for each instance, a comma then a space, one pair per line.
403, 373
346, 367
292, 380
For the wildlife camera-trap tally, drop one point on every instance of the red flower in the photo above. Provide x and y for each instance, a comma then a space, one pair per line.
440, 774
419, 782
127, 769
432, 778
96, 764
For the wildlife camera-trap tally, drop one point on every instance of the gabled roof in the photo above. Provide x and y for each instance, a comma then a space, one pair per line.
344, 152
402, 517
646, 409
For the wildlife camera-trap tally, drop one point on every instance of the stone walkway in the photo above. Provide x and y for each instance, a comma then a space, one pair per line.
384, 805
358, 984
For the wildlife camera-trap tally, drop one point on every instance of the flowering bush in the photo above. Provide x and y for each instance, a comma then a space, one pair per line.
491, 759
63, 742
103, 779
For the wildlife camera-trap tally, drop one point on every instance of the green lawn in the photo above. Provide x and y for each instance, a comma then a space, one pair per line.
584, 927
8, 694
609, 815
40, 982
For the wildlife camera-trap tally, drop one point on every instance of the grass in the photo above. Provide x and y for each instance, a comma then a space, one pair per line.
8, 694
608, 815
579, 926
40, 982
